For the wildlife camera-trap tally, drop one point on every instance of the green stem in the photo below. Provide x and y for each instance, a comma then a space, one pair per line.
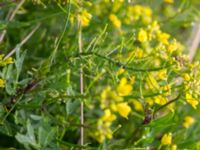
120, 64
165, 105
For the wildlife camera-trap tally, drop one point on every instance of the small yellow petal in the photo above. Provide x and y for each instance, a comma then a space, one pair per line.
124, 109
169, 1
193, 102
174, 147
124, 88
2, 83
115, 21
188, 121
142, 36
108, 116
137, 105
166, 139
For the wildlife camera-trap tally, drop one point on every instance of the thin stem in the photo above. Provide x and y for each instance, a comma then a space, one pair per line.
22, 42
120, 64
165, 105
11, 18
80, 45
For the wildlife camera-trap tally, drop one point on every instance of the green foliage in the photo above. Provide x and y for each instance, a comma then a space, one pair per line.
140, 89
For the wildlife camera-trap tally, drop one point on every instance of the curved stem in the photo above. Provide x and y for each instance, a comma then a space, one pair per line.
165, 105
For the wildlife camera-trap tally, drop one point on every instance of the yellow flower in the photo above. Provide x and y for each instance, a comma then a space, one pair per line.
172, 47
188, 121
166, 87
132, 79
137, 105
108, 116
103, 131
1, 57
147, 11
150, 101
169, 1
124, 88
146, 15
174, 147
151, 82
162, 74
85, 18
193, 102
2, 83
123, 109
107, 95
166, 139
139, 53
120, 71
142, 35
136, 9
160, 100
153, 28
9, 60
5, 62
136, 53
105, 92
163, 37
113, 107
186, 77
115, 21
117, 5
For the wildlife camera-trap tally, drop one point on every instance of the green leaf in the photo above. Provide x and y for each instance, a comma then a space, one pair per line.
45, 136
19, 60
164, 121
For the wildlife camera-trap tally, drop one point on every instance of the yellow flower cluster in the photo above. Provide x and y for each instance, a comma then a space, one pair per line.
137, 105
138, 13
4, 62
169, 1
85, 18
142, 35
167, 140
152, 82
115, 21
192, 101
164, 47
188, 121
157, 49
103, 131
2, 83
163, 37
112, 102
114, 99
124, 88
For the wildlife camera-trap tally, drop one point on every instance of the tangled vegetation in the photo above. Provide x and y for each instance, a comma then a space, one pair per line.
125, 63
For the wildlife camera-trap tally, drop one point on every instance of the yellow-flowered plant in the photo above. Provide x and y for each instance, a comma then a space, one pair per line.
123, 109
166, 139
2, 83
169, 1
112, 102
115, 21
174, 147
4, 62
124, 88
152, 71
137, 105
142, 35
188, 121
85, 18
192, 101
